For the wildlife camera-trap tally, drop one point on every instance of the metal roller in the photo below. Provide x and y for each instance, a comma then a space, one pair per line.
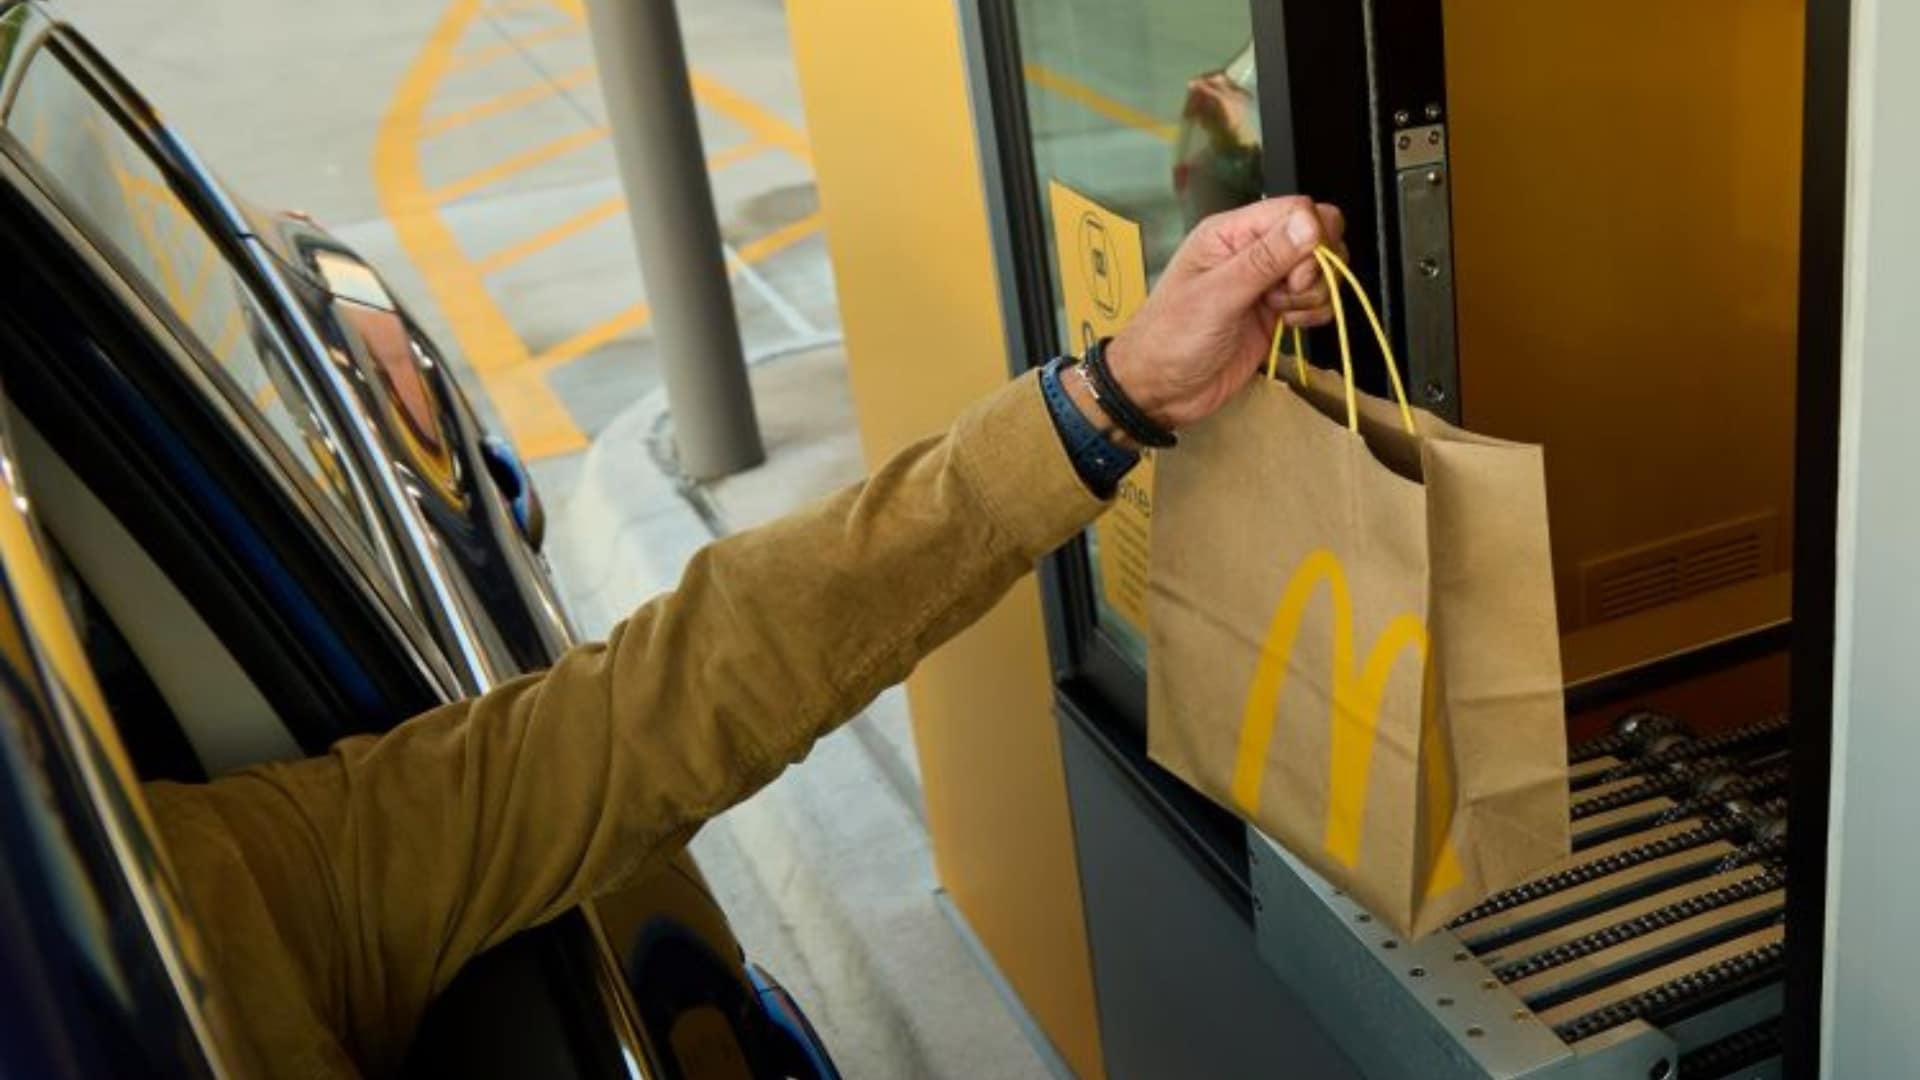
1630, 733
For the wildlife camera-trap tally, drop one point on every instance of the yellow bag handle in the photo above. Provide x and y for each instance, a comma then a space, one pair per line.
1335, 269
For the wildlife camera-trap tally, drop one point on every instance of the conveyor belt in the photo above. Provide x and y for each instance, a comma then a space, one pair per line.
1594, 869
1654, 950
1684, 994
1713, 899
1674, 901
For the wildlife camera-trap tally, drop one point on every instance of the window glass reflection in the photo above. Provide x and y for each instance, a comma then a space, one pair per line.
1149, 108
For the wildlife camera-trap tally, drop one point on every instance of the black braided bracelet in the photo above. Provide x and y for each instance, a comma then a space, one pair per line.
1127, 416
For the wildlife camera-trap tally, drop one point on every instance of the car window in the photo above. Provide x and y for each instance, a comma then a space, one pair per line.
88, 823
108, 179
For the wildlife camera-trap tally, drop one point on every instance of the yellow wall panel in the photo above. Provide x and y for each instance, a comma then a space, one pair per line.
884, 88
1626, 205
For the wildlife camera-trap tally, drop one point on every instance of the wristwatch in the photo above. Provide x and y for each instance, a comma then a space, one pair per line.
1100, 462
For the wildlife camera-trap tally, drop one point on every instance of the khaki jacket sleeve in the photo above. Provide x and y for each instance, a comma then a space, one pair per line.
417, 849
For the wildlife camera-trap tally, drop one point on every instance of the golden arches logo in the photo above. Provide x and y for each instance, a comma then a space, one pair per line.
1355, 716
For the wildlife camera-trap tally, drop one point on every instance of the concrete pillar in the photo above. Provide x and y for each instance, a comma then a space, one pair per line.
643, 76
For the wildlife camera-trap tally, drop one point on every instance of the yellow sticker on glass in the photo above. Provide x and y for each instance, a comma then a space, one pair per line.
1103, 280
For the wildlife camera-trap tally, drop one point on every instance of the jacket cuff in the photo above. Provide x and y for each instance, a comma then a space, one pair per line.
1010, 453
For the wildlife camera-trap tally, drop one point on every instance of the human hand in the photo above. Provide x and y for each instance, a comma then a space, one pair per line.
1206, 327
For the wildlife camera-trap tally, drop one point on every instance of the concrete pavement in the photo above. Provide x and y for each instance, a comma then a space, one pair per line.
462, 147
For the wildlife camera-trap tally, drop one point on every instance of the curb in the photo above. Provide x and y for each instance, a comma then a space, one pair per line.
625, 532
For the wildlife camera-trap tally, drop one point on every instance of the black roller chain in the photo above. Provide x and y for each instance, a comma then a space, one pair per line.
1681, 776
1710, 745
1574, 876
1747, 786
1648, 725
1670, 999
1641, 925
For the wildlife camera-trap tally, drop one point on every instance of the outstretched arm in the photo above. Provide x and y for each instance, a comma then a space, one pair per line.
388, 863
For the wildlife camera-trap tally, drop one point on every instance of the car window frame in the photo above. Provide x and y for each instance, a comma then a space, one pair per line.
368, 540
404, 640
483, 643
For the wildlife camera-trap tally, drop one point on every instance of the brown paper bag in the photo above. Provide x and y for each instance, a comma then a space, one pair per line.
1353, 644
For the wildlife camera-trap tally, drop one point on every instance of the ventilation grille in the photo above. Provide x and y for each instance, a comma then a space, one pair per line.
1674, 569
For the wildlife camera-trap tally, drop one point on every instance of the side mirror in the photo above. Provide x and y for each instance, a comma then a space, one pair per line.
510, 475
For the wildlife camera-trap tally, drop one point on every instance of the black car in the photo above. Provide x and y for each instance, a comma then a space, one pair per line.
245, 511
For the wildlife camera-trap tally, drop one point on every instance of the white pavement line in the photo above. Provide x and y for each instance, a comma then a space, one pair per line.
795, 346
792, 316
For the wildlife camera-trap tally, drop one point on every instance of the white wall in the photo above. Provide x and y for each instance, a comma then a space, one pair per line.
1873, 934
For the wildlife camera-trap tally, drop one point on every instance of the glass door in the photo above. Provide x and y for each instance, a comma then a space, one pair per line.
1145, 115
1147, 107
1119, 125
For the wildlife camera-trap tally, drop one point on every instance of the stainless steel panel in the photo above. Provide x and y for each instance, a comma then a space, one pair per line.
1426, 269
1425, 1010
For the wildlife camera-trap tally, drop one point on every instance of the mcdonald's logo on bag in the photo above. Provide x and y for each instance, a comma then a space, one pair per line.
1416, 808
1357, 695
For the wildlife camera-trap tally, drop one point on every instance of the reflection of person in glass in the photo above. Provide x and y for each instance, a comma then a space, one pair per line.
340, 894
1217, 158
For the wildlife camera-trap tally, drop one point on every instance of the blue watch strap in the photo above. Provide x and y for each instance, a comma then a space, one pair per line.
1096, 458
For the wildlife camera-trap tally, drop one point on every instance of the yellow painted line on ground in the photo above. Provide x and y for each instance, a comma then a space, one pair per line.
591, 216
520, 162
507, 102
593, 337
202, 273
764, 126
203, 270
540, 241
733, 155
1094, 101
637, 316
512, 46
228, 338
533, 415
514, 7
144, 223
780, 239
